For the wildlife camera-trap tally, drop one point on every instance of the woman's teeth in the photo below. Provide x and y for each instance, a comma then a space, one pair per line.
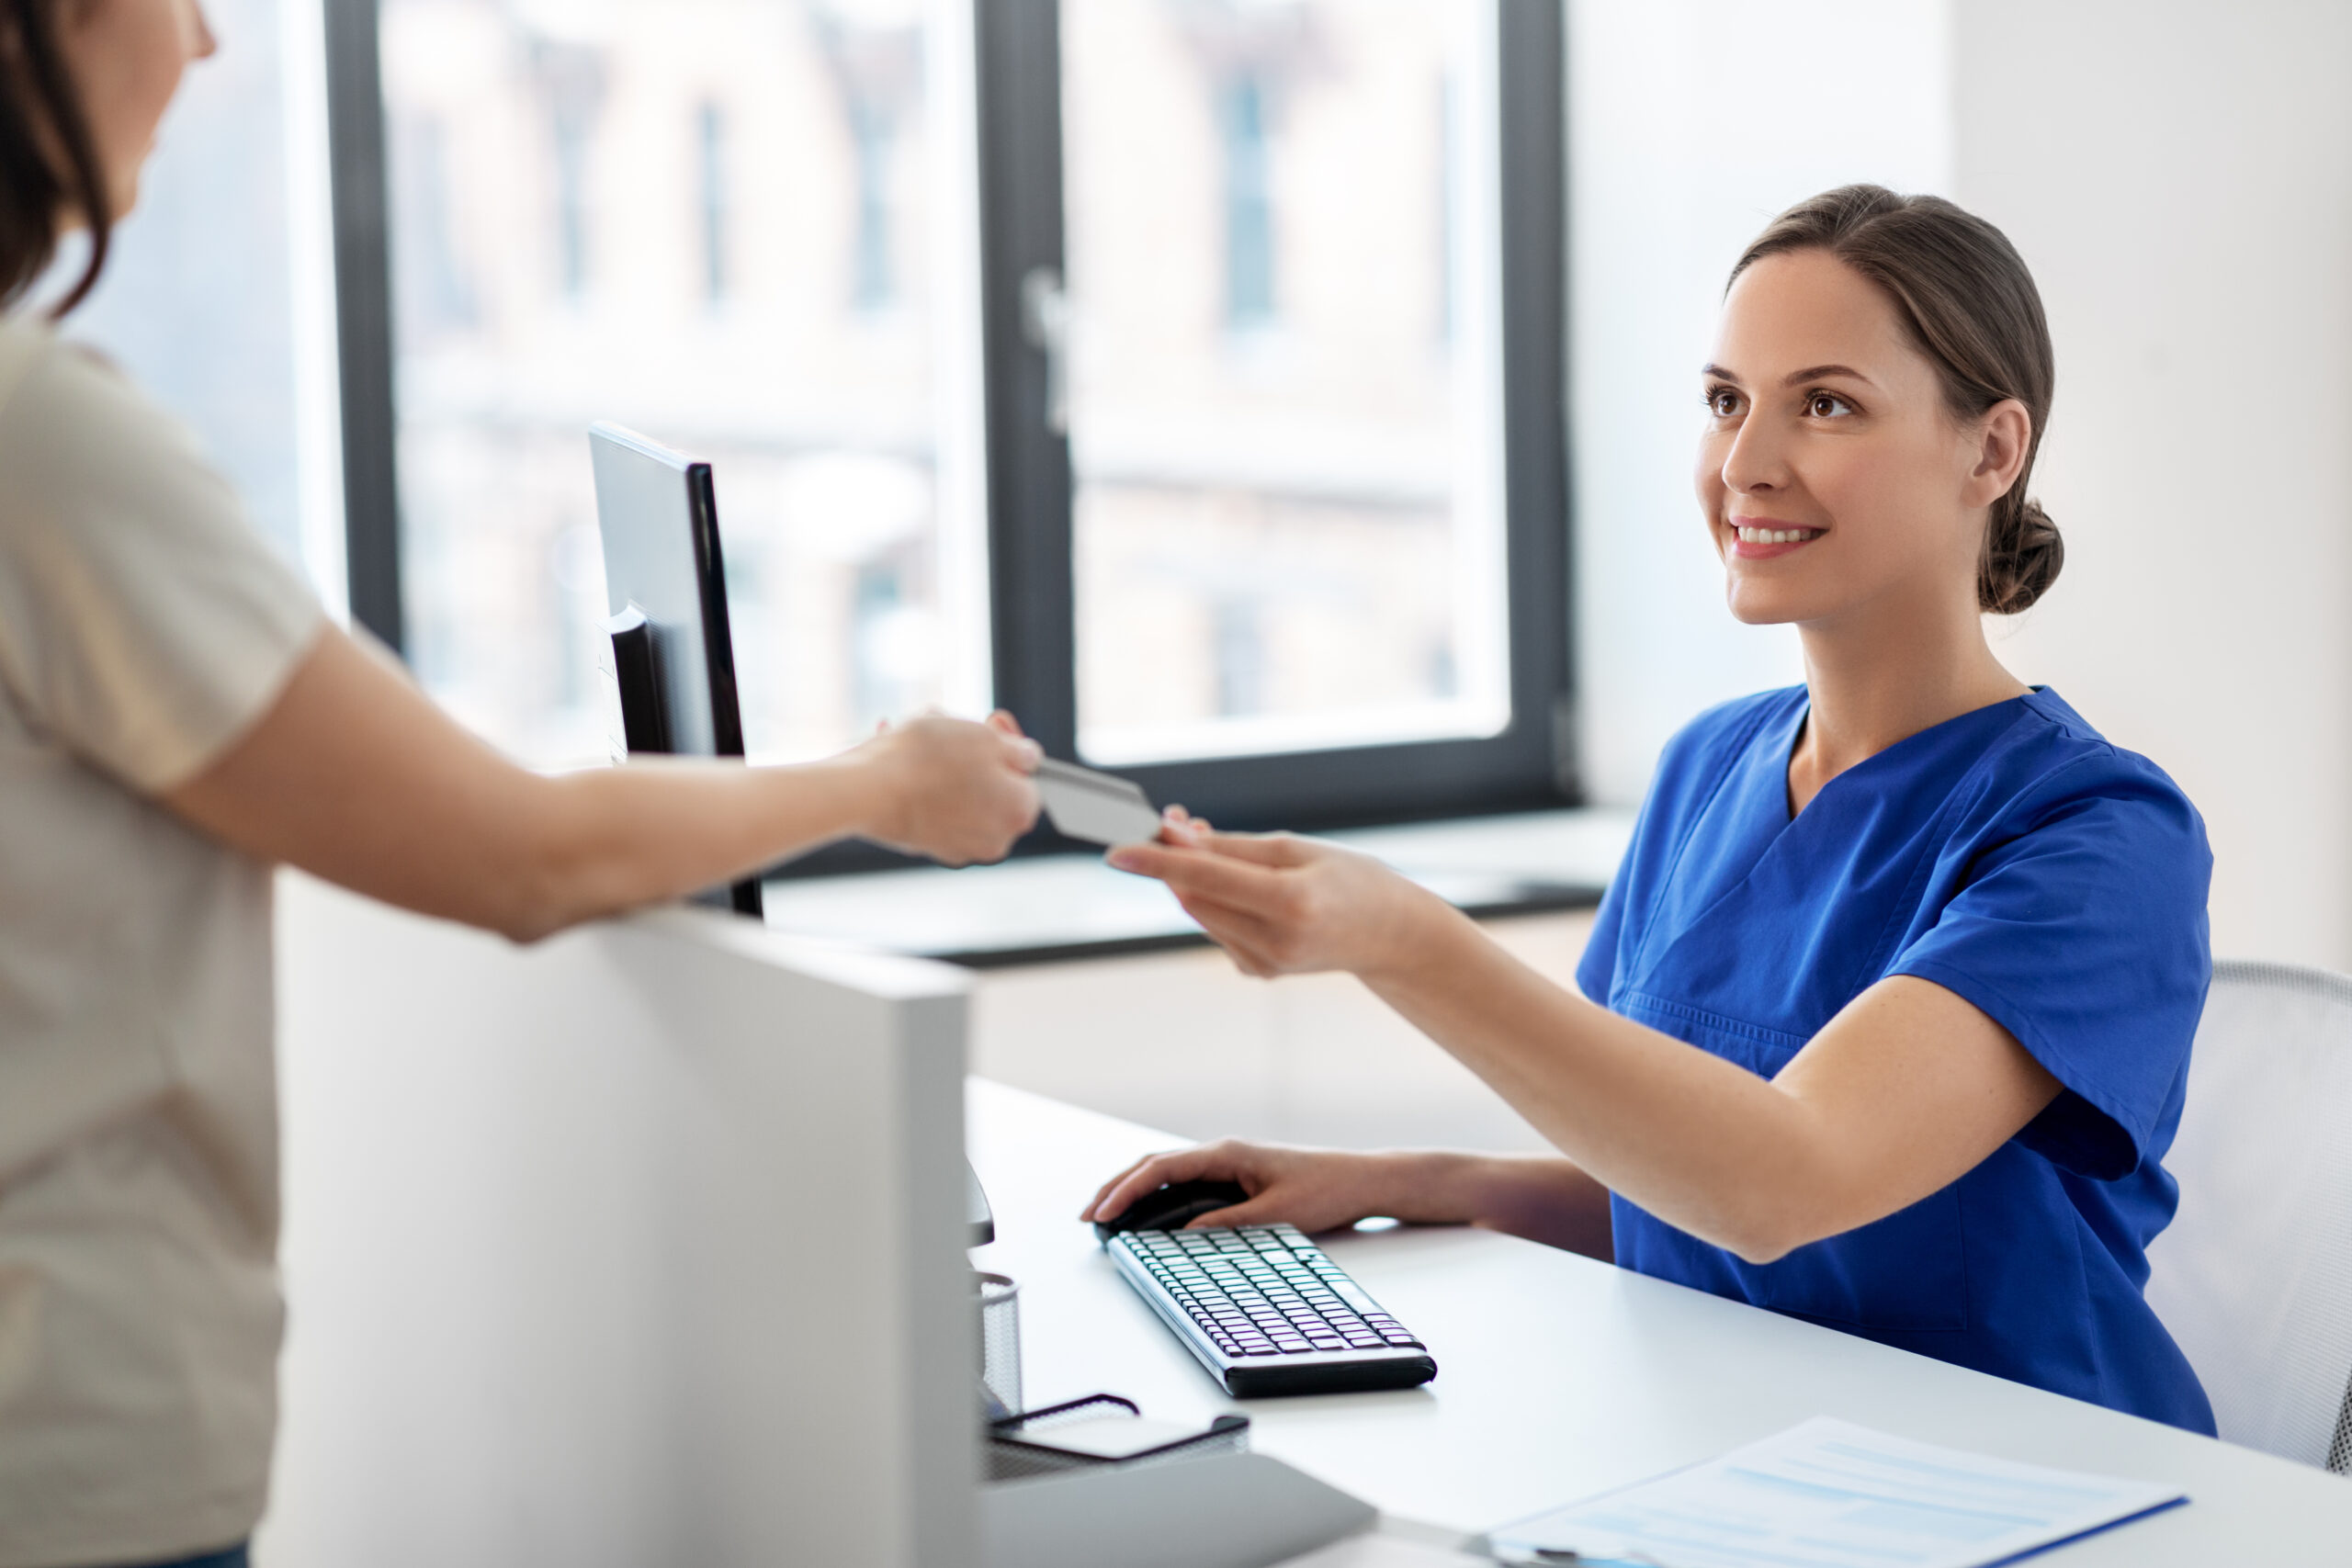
1776, 536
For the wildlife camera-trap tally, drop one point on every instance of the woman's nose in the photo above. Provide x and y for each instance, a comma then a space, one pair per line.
1754, 460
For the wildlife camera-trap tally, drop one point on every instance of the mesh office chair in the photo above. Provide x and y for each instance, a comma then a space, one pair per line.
2254, 1278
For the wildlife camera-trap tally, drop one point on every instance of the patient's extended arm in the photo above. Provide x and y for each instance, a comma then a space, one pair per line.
354, 774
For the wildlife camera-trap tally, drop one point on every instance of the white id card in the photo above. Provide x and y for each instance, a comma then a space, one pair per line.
1098, 807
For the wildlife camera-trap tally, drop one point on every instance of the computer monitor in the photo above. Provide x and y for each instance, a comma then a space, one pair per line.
665, 585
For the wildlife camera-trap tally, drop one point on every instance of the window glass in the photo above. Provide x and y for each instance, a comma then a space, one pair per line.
1284, 404
740, 229
212, 299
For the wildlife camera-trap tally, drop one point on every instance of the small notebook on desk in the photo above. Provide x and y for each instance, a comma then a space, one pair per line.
1831, 1494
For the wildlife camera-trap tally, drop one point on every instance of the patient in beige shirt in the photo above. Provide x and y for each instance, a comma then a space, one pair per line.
143, 626
176, 717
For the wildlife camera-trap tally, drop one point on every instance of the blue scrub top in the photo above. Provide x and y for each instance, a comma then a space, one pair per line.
2014, 857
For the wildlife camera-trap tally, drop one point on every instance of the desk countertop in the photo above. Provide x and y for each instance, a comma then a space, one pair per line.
1068, 905
1560, 1377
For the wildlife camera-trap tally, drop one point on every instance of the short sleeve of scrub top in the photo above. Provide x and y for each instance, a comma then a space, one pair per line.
2016, 859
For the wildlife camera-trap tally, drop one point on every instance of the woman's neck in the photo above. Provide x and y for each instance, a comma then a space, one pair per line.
1873, 686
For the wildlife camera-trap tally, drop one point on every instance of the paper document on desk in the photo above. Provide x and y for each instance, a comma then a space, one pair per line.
1832, 1495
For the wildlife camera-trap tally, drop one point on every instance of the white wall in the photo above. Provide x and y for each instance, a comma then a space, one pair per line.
2179, 176
1691, 123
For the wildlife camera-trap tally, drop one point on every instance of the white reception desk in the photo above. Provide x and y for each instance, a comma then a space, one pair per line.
1559, 1376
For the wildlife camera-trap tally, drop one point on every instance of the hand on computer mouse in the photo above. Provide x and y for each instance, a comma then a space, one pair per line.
1173, 1207
1315, 1190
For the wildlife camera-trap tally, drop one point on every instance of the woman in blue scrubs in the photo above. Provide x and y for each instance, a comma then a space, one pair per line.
1890, 1004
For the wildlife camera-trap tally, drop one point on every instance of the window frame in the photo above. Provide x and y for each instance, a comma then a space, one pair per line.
1531, 764
359, 209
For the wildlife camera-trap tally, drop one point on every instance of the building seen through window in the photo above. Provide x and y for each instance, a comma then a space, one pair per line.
1248, 203
706, 219
1285, 385
720, 222
711, 124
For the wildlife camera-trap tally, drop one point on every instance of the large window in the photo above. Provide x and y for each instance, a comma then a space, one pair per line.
1183, 375
715, 222
1285, 375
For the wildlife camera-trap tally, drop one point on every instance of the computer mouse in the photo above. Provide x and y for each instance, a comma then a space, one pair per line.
1172, 1207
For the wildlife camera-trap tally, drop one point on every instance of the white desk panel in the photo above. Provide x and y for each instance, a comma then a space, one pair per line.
1559, 1376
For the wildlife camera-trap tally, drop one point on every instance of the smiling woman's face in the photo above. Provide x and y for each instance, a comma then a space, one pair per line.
1831, 475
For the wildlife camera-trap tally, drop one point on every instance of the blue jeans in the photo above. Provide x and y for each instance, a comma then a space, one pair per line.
227, 1557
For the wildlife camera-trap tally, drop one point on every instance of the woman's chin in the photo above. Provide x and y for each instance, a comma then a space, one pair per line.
1753, 605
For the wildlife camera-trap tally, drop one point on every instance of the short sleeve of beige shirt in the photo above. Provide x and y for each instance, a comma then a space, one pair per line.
142, 622
144, 628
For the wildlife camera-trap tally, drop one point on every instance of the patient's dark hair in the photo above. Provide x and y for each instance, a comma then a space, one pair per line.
1965, 297
49, 172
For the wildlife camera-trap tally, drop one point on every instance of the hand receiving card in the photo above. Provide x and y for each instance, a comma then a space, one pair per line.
1095, 807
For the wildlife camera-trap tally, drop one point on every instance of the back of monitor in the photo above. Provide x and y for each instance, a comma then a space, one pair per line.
665, 582
641, 1245
656, 515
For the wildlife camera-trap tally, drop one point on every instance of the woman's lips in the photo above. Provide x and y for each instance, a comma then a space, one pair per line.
1764, 538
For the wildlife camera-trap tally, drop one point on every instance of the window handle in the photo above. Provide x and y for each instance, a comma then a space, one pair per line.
1044, 322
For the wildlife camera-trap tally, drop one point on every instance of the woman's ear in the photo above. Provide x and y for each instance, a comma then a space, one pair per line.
2004, 436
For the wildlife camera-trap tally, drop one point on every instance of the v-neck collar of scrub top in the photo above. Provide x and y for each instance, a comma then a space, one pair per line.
1747, 841
1977, 724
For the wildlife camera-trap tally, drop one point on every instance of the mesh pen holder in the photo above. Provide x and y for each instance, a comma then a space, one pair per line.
997, 1301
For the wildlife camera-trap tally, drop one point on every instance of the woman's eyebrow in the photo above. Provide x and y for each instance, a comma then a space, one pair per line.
1821, 372
1720, 374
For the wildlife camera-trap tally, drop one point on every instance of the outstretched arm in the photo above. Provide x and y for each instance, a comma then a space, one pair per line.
1905, 1091
354, 774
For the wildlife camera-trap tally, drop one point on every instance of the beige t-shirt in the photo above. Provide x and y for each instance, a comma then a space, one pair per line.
143, 627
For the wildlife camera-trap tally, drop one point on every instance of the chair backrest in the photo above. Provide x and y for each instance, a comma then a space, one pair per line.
2253, 1277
